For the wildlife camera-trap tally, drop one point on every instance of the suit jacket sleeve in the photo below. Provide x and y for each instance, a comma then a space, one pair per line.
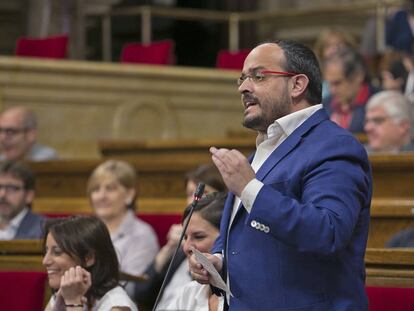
317, 209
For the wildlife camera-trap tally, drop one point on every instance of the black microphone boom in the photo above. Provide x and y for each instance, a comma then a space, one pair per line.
197, 196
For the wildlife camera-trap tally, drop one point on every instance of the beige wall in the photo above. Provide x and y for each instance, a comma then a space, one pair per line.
79, 103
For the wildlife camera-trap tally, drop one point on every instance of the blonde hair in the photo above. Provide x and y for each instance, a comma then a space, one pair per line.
320, 43
123, 172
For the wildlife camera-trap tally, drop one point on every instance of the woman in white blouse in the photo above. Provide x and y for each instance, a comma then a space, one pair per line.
202, 231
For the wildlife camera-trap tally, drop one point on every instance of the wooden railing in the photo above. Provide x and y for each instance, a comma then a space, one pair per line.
234, 19
384, 267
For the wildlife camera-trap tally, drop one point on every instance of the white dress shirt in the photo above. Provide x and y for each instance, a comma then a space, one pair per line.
10, 231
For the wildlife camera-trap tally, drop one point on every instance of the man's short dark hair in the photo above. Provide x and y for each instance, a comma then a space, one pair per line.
301, 59
19, 171
352, 62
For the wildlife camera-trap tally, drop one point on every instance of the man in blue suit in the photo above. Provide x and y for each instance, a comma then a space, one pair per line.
17, 192
295, 225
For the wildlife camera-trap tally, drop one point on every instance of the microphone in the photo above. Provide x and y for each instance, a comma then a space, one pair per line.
197, 196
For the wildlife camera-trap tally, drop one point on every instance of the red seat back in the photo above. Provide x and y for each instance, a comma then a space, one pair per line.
390, 298
51, 47
231, 60
161, 224
22, 290
156, 53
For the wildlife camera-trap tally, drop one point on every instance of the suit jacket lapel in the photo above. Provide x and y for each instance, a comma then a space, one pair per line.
290, 143
277, 155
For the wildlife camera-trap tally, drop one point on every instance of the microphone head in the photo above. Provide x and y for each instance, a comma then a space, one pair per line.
199, 191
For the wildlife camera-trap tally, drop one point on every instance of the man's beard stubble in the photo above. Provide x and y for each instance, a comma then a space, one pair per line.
260, 122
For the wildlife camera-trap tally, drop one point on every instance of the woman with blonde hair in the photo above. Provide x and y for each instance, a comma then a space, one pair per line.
112, 192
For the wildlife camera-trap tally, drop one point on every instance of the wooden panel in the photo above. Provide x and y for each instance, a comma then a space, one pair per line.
69, 178
189, 152
82, 206
393, 175
389, 216
21, 263
21, 247
162, 167
384, 267
79, 103
390, 267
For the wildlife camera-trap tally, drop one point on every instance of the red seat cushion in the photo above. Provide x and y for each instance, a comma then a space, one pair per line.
22, 290
51, 47
390, 298
156, 53
231, 60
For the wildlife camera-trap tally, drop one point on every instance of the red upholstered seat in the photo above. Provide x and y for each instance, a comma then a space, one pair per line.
51, 47
156, 53
231, 60
390, 298
160, 222
22, 290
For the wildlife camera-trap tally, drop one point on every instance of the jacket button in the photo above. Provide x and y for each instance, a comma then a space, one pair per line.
253, 223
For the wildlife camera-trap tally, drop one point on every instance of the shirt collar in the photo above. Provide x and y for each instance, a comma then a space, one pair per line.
15, 222
123, 228
288, 123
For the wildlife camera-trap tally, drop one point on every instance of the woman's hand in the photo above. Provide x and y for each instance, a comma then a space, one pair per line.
74, 284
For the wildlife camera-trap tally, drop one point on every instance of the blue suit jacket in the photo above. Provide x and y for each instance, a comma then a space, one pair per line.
302, 246
31, 227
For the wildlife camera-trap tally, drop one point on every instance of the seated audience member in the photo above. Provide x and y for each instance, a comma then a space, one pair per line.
399, 30
404, 238
112, 192
18, 134
349, 90
330, 41
394, 77
82, 266
146, 293
388, 123
202, 231
17, 191
207, 174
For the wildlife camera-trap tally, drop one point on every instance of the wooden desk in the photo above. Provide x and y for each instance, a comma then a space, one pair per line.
390, 267
393, 175
68, 178
66, 206
384, 267
21, 255
389, 216
190, 152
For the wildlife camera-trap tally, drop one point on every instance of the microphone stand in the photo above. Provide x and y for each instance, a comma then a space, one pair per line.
197, 196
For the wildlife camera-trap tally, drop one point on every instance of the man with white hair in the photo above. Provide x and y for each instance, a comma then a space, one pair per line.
388, 123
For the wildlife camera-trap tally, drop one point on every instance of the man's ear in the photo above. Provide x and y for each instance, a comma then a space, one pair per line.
299, 84
30, 195
31, 135
90, 260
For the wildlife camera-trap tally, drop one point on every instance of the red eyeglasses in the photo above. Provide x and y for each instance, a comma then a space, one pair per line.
259, 76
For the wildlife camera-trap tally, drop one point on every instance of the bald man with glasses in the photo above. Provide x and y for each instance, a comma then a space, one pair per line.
18, 136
